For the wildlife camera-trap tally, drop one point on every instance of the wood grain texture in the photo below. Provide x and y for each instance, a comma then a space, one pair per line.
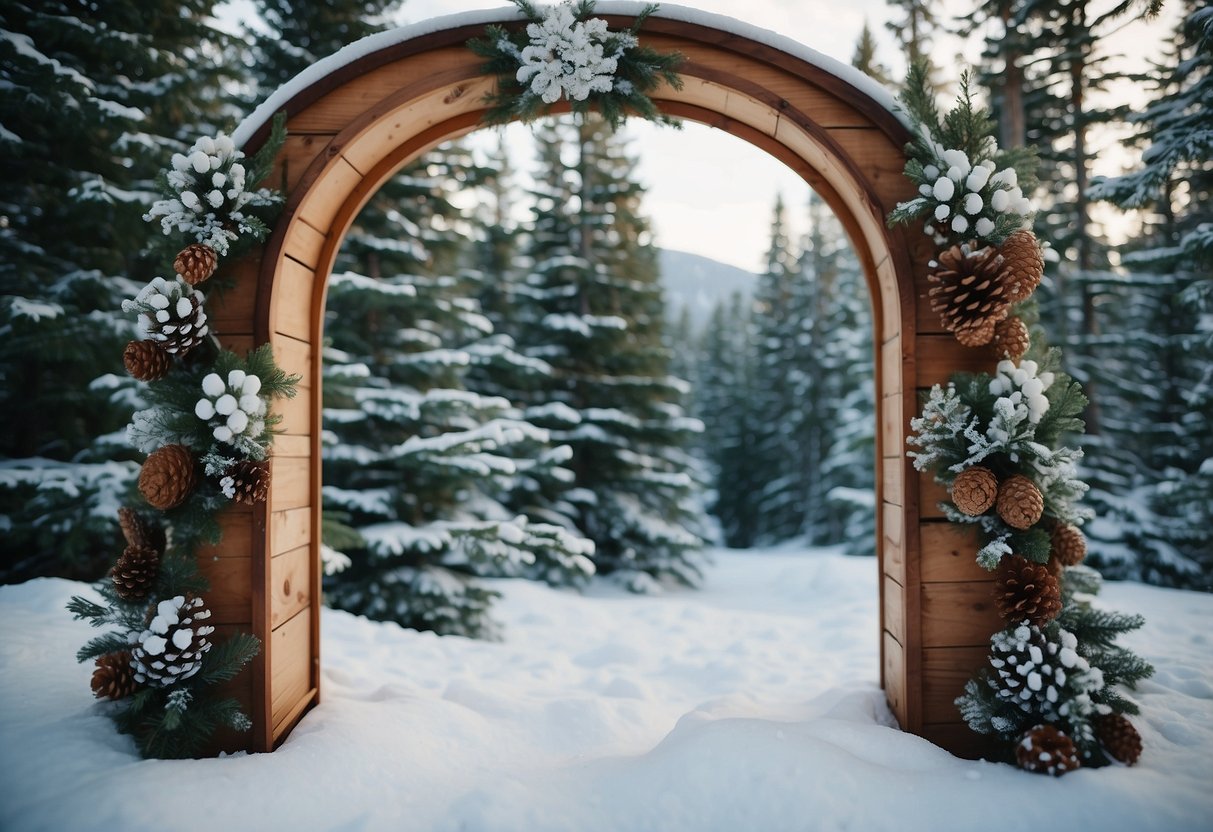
959, 614
893, 530
945, 671
938, 356
893, 676
930, 495
290, 667
949, 552
290, 583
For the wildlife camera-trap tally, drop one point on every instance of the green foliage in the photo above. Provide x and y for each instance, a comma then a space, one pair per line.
638, 73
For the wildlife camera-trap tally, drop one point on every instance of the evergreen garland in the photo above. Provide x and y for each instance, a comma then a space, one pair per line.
564, 52
1013, 424
215, 405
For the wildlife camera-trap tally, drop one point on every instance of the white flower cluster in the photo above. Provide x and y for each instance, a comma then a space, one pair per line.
968, 197
171, 647
1044, 676
1021, 387
566, 56
233, 407
169, 310
209, 183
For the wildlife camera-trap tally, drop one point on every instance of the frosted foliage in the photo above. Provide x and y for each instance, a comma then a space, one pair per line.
566, 57
944, 416
170, 649
211, 195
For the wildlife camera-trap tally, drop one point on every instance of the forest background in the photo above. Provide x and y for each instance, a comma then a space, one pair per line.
507, 389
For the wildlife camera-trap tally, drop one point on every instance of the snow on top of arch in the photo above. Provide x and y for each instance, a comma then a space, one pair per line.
391, 37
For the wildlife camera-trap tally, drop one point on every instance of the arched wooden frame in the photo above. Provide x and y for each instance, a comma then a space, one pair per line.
351, 129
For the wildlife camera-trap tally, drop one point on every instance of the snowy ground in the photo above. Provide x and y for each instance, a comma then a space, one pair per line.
750, 705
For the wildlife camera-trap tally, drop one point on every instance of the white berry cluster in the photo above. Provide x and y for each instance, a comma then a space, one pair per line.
1043, 675
1022, 386
172, 646
972, 199
566, 56
210, 195
233, 407
170, 311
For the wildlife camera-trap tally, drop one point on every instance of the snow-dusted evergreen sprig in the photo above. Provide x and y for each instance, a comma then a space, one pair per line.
967, 188
210, 193
566, 53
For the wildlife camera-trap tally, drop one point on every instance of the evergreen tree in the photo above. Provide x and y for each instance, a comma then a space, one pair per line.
865, 59
913, 24
595, 313
139, 80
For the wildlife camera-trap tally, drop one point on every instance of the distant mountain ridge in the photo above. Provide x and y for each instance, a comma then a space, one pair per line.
698, 283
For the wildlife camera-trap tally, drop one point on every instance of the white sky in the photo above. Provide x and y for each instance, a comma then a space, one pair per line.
712, 194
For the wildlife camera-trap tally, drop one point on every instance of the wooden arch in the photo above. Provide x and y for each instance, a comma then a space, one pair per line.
351, 128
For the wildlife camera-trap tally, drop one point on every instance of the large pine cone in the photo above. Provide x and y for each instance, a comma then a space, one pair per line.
1118, 737
247, 482
968, 293
974, 490
1046, 750
114, 678
1026, 591
1069, 545
172, 646
172, 315
146, 360
168, 477
1020, 503
138, 532
1011, 338
195, 263
135, 572
1023, 263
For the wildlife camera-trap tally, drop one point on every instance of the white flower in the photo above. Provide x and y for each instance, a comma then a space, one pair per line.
251, 404
204, 410
565, 57
235, 380
251, 386
956, 159
930, 172
212, 385
924, 189
223, 433
226, 404
944, 189
942, 211
973, 204
984, 227
959, 224
200, 161
1000, 200
237, 422
978, 178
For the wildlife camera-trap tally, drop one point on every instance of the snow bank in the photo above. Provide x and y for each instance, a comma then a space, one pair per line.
749, 705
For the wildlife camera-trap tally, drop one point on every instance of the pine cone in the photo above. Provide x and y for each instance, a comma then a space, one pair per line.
172, 315
172, 646
146, 360
1024, 264
1046, 750
114, 678
1118, 737
247, 482
1026, 591
1020, 503
135, 572
974, 490
138, 532
1069, 545
969, 294
195, 263
1011, 338
168, 477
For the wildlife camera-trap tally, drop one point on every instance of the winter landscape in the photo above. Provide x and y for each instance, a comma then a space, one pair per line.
614, 517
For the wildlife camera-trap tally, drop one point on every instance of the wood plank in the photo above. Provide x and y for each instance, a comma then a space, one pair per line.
297, 155
239, 344
960, 740
945, 671
290, 671
289, 530
882, 162
893, 426
292, 486
959, 614
930, 495
295, 358
291, 302
889, 298
292, 444
949, 553
939, 356
894, 560
230, 596
231, 295
893, 670
892, 473
236, 526
894, 616
323, 201
296, 413
303, 243
892, 359
290, 584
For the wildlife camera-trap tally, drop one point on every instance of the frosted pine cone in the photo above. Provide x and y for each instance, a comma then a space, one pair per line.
135, 572
974, 490
247, 482
1020, 503
195, 263
114, 678
1118, 737
168, 476
1026, 591
1024, 264
1069, 545
1011, 338
171, 313
968, 293
146, 360
172, 646
138, 532
1046, 750
1038, 670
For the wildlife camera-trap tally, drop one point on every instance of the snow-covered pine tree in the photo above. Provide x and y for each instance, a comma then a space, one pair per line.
139, 79
594, 312
865, 59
